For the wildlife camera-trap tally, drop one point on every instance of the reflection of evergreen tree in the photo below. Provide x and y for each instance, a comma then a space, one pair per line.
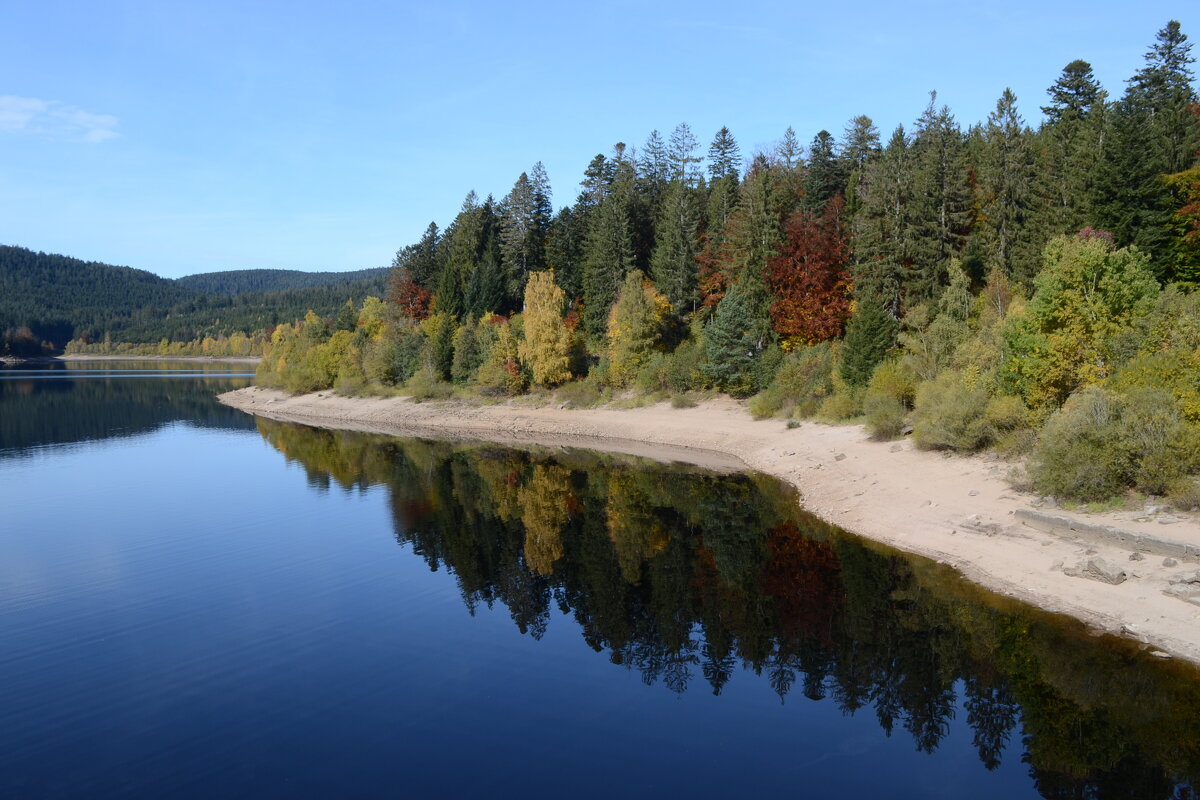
679, 572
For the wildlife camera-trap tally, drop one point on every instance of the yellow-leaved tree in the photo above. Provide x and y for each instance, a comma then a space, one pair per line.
634, 325
545, 350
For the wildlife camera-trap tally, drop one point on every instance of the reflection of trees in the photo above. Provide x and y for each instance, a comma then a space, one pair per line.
57, 410
680, 575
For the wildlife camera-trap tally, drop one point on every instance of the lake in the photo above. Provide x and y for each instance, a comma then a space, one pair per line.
195, 603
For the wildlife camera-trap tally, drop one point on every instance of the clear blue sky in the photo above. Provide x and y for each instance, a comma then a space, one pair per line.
186, 137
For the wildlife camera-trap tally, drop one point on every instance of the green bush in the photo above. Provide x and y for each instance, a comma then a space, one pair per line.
885, 415
1184, 494
580, 394
888, 398
949, 414
802, 383
1100, 444
426, 385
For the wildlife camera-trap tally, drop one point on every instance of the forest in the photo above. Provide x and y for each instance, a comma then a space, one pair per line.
983, 285
49, 303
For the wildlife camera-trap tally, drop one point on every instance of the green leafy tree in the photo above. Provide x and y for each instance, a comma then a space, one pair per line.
1088, 294
634, 327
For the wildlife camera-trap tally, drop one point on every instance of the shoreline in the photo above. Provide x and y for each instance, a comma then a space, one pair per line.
956, 510
12, 360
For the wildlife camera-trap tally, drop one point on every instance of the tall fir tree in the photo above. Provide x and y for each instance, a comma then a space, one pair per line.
673, 261
609, 254
941, 199
724, 156
824, 176
1006, 196
884, 227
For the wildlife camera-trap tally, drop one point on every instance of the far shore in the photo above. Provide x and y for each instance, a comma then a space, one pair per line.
91, 357
960, 511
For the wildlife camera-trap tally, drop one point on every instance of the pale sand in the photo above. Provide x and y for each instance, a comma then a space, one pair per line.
917, 501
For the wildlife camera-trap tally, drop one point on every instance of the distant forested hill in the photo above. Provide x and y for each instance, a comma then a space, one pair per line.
58, 298
241, 281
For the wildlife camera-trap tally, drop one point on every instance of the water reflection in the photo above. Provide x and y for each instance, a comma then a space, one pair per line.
685, 576
69, 402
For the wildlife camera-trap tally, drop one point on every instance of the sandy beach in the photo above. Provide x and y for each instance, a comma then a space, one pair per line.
957, 510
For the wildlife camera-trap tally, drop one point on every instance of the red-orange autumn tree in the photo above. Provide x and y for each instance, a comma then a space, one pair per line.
408, 294
809, 280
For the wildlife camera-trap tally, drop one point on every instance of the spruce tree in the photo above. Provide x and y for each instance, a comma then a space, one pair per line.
673, 261
609, 253
1006, 178
870, 334
724, 156
941, 200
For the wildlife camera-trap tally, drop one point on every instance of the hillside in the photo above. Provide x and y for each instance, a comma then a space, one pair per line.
59, 298
243, 281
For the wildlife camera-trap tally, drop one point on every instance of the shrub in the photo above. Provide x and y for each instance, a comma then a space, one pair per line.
804, 380
949, 414
580, 394
686, 400
889, 397
1184, 494
426, 385
1100, 444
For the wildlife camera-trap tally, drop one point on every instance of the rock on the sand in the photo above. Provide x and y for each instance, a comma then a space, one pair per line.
1097, 569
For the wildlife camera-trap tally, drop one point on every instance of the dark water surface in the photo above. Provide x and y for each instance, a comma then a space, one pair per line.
196, 604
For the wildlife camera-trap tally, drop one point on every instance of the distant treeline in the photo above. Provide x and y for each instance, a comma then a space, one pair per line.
48, 300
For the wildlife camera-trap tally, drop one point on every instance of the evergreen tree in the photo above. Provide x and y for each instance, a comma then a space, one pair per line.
1073, 95
724, 156
609, 253
1006, 178
824, 177
941, 199
673, 262
788, 152
1163, 88
524, 219
565, 248
1070, 148
737, 334
883, 228
870, 334
685, 165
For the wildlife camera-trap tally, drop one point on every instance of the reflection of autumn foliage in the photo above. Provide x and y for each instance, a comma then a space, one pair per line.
501, 476
804, 582
636, 532
546, 499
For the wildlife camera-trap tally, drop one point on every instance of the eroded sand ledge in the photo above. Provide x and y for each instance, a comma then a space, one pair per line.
959, 511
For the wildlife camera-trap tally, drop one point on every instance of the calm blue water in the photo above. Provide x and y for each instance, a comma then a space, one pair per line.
193, 604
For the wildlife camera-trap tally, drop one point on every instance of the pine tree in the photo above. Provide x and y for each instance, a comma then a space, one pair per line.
524, 219
736, 335
685, 166
788, 151
1069, 151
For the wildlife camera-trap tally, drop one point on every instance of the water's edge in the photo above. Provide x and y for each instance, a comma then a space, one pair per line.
998, 557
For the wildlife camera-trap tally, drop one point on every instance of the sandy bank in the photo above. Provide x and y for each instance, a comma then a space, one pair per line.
89, 357
960, 511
